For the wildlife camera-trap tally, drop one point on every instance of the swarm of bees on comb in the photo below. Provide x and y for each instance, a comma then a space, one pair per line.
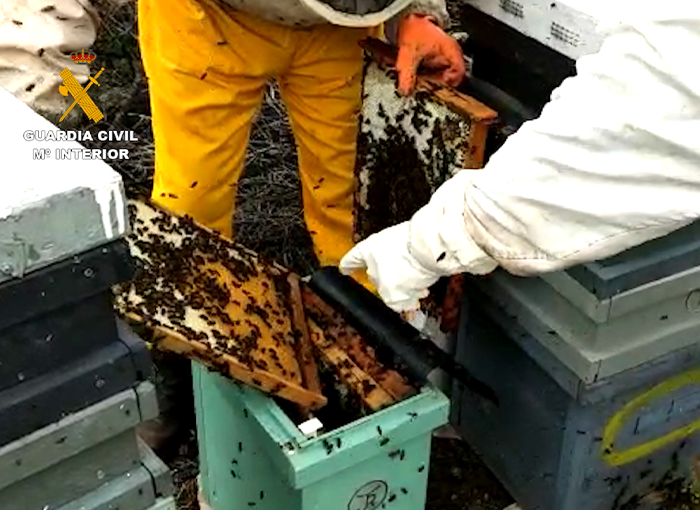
210, 299
409, 146
252, 320
213, 300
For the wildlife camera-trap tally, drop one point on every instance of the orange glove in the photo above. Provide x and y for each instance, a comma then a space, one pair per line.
422, 42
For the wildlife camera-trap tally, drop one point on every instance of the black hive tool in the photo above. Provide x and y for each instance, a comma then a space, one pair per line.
386, 331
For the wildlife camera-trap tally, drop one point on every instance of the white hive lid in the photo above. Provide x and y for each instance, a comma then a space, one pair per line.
50, 209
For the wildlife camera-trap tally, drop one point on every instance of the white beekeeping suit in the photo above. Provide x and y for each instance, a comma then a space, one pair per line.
36, 40
613, 161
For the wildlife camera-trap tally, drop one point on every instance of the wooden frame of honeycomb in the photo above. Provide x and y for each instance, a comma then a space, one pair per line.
252, 320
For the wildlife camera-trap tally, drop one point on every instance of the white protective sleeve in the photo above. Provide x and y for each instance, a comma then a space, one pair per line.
613, 160
36, 39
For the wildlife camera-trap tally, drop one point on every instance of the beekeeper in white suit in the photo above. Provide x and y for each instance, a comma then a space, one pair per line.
36, 40
612, 161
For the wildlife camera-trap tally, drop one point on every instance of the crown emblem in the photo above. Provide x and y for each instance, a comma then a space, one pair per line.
82, 57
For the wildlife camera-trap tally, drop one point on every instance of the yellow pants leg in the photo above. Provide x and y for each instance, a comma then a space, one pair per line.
322, 90
207, 68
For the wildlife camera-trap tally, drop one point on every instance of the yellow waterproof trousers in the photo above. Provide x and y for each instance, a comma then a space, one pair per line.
207, 67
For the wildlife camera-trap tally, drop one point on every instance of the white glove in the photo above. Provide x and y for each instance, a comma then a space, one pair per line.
403, 261
400, 280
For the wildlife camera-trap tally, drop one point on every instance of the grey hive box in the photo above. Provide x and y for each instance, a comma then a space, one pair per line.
559, 443
60, 349
61, 251
91, 455
604, 318
71, 375
58, 312
88, 379
600, 408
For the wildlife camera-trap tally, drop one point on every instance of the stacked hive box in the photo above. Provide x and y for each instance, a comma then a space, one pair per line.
601, 405
253, 456
72, 380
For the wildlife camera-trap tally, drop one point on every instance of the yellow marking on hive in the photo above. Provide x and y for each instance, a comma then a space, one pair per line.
615, 424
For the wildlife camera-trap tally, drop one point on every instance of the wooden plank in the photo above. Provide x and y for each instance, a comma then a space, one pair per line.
165, 504
309, 369
338, 331
477, 149
214, 301
458, 102
160, 472
232, 367
358, 381
89, 379
451, 304
146, 396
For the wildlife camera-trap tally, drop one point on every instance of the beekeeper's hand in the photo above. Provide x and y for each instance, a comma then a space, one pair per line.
405, 260
398, 277
422, 41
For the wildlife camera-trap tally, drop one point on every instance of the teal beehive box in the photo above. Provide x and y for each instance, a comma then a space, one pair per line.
253, 456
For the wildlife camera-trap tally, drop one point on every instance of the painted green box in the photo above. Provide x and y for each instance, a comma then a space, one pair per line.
253, 456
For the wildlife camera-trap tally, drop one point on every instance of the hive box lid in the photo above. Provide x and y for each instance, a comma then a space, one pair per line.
485, 319
643, 264
50, 209
630, 336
